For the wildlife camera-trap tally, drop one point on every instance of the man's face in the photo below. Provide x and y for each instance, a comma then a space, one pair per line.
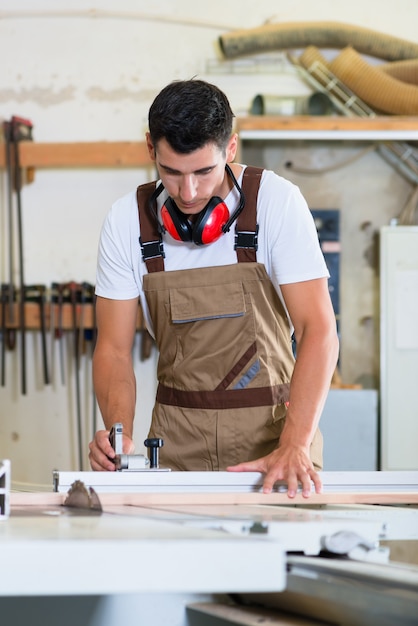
193, 179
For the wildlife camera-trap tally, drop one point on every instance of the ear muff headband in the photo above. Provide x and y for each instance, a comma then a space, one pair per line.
210, 223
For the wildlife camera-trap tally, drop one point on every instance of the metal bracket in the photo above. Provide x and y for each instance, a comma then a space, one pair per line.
4, 489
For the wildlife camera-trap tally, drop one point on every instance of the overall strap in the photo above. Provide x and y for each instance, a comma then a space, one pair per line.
247, 228
150, 240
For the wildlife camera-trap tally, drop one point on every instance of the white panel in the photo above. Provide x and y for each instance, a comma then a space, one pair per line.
59, 553
349, 427
399, 347
406, 309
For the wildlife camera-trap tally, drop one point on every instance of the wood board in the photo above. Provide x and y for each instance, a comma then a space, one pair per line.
157, 499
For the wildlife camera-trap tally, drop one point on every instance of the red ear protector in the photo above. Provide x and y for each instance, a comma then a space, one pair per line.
209, 224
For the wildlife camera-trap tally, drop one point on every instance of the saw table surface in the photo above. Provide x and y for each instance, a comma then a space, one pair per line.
58, 550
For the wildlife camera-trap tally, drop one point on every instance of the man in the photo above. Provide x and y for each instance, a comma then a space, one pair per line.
223, 276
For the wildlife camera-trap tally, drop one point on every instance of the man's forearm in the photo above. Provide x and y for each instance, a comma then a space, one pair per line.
115, 388
315, 365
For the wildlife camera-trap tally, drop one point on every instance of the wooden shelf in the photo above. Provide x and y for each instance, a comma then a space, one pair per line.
382, 128
253, 127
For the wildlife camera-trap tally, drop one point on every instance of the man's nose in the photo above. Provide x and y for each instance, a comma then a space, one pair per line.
188, 188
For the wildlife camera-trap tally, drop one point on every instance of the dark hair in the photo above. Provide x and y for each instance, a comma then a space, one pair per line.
190, 114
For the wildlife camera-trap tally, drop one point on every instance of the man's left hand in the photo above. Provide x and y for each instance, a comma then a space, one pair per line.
290, 464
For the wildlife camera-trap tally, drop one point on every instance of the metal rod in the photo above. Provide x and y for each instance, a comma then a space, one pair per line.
3, 333
10, 335
18, 185
73, 295
43, 334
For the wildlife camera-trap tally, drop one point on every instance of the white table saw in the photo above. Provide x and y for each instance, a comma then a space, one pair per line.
164, 541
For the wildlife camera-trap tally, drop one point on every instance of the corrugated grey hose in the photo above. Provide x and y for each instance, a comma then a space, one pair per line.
321, 34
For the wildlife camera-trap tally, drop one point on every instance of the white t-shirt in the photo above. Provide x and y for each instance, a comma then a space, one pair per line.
288, 243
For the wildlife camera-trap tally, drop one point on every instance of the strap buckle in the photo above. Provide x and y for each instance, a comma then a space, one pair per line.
246, 239
152, 249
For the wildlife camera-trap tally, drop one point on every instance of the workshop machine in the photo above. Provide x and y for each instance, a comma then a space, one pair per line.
144, 544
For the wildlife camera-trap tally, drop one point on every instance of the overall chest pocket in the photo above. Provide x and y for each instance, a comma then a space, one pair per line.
207, 302
213, 328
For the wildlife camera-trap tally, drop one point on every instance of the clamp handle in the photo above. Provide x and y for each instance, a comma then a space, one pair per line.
153, 446
115, 437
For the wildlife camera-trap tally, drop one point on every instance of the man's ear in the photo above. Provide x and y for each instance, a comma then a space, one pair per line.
231, 149
150, 146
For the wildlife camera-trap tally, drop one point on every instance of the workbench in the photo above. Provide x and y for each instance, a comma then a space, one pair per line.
179, 548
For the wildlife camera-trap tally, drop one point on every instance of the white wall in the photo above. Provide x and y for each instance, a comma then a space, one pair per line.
88, 71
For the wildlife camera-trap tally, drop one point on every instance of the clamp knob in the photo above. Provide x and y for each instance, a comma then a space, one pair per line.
153, 446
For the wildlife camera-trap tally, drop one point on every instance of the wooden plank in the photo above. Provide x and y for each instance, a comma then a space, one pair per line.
327, 123
161, 499
82, 154
149, 499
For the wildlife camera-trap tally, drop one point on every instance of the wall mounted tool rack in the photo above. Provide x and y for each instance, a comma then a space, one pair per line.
55, 316
34, 156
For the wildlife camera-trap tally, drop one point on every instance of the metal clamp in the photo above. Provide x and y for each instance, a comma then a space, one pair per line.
135, 462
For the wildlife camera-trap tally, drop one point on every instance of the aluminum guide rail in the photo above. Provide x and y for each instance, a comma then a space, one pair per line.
230, 482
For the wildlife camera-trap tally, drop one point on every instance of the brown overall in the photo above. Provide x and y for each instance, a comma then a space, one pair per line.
225, 355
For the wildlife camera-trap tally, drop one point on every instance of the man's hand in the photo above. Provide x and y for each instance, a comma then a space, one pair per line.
290, 464
101, 452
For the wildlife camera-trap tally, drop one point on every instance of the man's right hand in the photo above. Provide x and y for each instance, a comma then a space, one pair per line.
101, 453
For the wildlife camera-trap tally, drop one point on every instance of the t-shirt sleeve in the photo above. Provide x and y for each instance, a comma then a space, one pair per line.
115, 277
293, 250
